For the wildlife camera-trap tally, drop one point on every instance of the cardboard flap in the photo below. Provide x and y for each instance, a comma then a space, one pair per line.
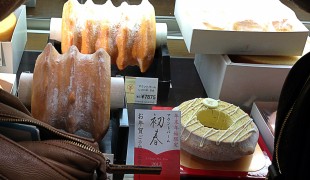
7, 82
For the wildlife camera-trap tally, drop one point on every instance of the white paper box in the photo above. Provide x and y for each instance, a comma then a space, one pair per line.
256, 114
199, 40
240, 83
8, 82
11, 52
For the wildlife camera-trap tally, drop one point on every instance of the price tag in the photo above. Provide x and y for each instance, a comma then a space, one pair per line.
157, 142
130, 89
146, 90
141, 90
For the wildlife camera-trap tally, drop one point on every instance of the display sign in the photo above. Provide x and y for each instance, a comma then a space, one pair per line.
141, 90
157, 142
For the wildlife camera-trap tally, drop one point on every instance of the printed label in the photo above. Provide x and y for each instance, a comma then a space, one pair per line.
141, 90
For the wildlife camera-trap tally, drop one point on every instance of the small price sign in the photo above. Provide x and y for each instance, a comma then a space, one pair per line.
141, 90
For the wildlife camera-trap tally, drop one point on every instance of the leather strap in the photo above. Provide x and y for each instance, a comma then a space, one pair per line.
130, 169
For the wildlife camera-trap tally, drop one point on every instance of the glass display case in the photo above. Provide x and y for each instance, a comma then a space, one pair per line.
40, 12
179, 81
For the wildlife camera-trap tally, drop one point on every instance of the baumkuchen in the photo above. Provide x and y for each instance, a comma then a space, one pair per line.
72, 91
127, 33
117, 90
216, 130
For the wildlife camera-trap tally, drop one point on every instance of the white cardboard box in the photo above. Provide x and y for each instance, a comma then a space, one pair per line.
11, 52
199, 40
260, 120
240, 83
8, 82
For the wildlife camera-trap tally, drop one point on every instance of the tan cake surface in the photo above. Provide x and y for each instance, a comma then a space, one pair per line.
274, 60
216, 130
127, 32
72, 91
5, 85
240, 15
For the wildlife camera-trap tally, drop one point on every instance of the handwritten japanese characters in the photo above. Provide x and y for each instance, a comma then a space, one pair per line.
157, 130
157, 142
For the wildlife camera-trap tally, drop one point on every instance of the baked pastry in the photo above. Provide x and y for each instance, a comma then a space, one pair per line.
282, 26
256, 59
210, 26
213, 19
72, 91
127, 36
248, 25
274, 60
7, 27
216, 130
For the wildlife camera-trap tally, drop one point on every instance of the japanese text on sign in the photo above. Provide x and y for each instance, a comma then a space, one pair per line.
157, 131
141, 90
146, 90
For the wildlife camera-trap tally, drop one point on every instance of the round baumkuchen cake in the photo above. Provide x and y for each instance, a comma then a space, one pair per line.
216, 130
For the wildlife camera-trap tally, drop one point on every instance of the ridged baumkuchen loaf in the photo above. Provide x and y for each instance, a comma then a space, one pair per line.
72, 91
127, 32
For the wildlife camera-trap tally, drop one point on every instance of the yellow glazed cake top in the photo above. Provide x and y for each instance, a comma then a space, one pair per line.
216, 120
7, 27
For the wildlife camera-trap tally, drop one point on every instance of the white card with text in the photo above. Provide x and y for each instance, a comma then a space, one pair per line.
157, 142
141, 90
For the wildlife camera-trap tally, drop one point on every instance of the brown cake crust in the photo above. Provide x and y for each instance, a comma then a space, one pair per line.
129, 38
72, 91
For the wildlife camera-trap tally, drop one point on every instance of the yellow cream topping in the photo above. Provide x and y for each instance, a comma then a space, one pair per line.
7, 27
214, 119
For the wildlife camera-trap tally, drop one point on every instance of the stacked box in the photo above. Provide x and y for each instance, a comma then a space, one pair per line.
222, 78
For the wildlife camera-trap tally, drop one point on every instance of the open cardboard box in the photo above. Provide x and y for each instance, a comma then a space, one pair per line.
12, 51
8, 82
261, 112
191, 16
240, 83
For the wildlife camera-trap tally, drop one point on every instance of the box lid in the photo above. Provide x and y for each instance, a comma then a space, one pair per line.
210, 27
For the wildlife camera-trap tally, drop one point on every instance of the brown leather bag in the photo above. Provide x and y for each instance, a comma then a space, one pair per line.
8, 6
57, 155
